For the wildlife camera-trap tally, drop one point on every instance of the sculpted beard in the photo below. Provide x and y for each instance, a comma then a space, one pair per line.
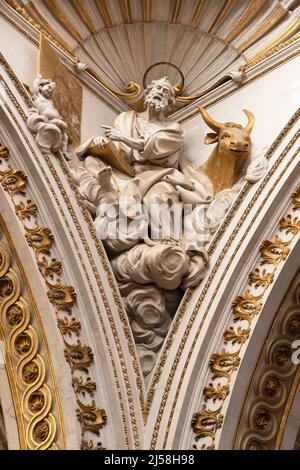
159, 103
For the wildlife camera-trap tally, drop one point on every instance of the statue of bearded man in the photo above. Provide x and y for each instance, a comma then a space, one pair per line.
150, 142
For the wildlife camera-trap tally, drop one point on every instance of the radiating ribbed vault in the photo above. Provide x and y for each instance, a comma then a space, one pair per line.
205, 39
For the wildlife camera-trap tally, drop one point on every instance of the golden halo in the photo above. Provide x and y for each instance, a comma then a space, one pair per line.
178, 87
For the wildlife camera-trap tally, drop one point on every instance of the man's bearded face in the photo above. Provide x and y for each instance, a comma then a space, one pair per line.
159, 95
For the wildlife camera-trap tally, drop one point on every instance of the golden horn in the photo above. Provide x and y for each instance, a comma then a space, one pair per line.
214, 125
251, 121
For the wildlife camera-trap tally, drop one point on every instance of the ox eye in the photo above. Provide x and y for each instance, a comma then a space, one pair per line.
225, 136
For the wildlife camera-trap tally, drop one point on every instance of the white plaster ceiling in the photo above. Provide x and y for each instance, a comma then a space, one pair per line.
206, 39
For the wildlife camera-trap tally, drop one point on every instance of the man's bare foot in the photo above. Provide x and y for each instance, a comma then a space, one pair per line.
104, 178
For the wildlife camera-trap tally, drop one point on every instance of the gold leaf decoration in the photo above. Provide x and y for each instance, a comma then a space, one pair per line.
238, 336
290, 224
224, 363
49, 267
14, 182
4, 153
90, 417
206, 422
213, 393
274, 251
26, 209
40, 239
67, 327
84, 386
246, 307
62, 297
296, 198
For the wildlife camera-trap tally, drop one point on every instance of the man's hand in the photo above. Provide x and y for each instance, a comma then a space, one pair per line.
100, 141
113, 134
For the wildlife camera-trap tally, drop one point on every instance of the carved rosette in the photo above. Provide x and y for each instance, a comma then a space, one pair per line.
63, 297
247, 306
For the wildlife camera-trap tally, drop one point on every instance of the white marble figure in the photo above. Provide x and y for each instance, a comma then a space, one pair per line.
152, 269
44, 120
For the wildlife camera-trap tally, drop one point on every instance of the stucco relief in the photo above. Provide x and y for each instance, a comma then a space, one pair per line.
154, 212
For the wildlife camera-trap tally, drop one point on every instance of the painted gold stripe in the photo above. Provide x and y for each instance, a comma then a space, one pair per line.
85, 17
223, 14
126, 11
176, 11
104, 12
147, 11
272, 19
198, 12
60, 16
248, 15
278, 40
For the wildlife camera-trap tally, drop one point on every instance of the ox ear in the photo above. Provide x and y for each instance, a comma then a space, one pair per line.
211, 138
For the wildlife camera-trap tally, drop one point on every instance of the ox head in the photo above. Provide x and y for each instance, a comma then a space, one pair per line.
234, 140
225, 164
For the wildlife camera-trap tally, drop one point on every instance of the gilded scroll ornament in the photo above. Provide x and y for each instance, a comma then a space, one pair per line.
245, 308
63, 297
27, 362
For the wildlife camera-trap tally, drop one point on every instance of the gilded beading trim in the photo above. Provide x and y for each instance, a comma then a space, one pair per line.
275, 377
246, 307
63, 297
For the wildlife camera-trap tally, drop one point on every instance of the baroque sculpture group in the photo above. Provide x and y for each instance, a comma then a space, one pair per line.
154, 212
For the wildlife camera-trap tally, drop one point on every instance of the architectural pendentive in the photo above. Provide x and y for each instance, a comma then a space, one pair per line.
276, 376
149, 225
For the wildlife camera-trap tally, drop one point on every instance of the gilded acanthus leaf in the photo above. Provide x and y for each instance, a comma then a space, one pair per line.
206, 422
296, 198
84, 386
40, 239
49, 267
260, 278
274, 251
224, 363
290, 224
14, 182
246, 306
238, 336
78, 356
62, 297
25, 210
4, 152
68, 326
